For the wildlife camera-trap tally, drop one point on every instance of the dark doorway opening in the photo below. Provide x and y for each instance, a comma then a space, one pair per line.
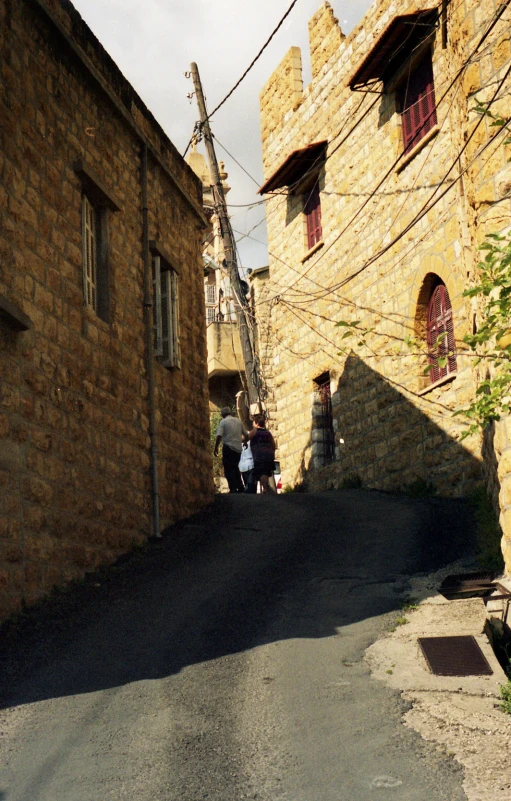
323, 442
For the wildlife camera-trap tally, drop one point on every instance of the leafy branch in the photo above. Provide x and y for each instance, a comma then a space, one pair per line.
492, 340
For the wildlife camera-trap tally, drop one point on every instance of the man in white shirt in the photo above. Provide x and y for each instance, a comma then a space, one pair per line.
230, 433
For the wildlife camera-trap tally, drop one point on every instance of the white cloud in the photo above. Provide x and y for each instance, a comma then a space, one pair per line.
153, 44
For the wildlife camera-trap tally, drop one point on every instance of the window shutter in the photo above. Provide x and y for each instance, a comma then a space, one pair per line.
440, 321
312, 210
449, 327
165, 291
418, 104
157, 316
174, 305
89, 254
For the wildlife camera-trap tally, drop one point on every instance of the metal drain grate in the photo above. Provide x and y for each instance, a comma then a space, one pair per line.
467, 585
454, 656
465, 578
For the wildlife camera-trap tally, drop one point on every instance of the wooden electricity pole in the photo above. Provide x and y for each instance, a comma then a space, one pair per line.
241, 303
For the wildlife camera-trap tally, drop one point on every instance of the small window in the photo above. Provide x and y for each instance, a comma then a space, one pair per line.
97, 202
312, 211
95, 257
210, 293
440, 334
210, 314
416, 102
166, 313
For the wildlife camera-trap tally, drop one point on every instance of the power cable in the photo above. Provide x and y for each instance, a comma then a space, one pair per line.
236, 161
261, 51
386, 378
497, 16
321, 160
198, 126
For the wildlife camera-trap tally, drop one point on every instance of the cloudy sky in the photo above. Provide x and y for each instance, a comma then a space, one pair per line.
153, 42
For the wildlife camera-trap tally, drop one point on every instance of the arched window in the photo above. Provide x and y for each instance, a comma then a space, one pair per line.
440, 334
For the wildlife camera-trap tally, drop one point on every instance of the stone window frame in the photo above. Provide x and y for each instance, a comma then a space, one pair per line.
14, 316
166, 323
96, 203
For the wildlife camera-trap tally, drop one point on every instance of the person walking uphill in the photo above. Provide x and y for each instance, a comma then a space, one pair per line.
230, 432
262, 445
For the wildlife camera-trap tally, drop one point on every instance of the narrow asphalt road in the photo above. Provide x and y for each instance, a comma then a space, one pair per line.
226, 663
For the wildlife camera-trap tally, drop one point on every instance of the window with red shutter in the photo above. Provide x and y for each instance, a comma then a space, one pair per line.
416, 99
312, 211
440, 326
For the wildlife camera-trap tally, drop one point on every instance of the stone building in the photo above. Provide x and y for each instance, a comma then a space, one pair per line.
101, 219
381, 181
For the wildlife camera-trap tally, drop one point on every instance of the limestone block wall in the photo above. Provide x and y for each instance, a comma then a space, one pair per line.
392, 226
260, 304
488, 183
74, 444
325, 38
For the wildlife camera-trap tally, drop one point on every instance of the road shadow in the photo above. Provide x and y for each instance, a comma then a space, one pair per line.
214, 585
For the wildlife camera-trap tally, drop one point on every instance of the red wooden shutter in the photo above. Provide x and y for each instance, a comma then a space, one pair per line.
418, 104
440, 322
312, 210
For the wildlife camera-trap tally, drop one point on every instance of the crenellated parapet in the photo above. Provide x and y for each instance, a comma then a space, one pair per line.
282, 94
325, 37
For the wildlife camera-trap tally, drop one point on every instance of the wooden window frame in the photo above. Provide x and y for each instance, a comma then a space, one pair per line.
90, 231
95, 260
440, 322
166, 328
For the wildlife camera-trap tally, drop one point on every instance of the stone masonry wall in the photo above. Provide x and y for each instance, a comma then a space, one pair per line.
396, 427
260, 297
488, 187
74, 444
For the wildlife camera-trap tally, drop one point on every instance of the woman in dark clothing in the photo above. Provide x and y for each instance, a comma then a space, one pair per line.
262, 446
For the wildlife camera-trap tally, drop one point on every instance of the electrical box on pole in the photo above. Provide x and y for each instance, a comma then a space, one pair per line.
241, 303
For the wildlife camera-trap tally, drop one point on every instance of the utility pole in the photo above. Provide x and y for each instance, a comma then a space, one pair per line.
241, 304
444, 24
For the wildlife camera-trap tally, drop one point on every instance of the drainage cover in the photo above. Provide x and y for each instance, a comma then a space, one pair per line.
454, 656
467, 585
465, 578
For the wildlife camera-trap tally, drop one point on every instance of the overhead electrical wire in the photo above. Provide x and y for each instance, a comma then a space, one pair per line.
253, 62
236, 161
497, 16
320, 159
424, 399
258, 56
